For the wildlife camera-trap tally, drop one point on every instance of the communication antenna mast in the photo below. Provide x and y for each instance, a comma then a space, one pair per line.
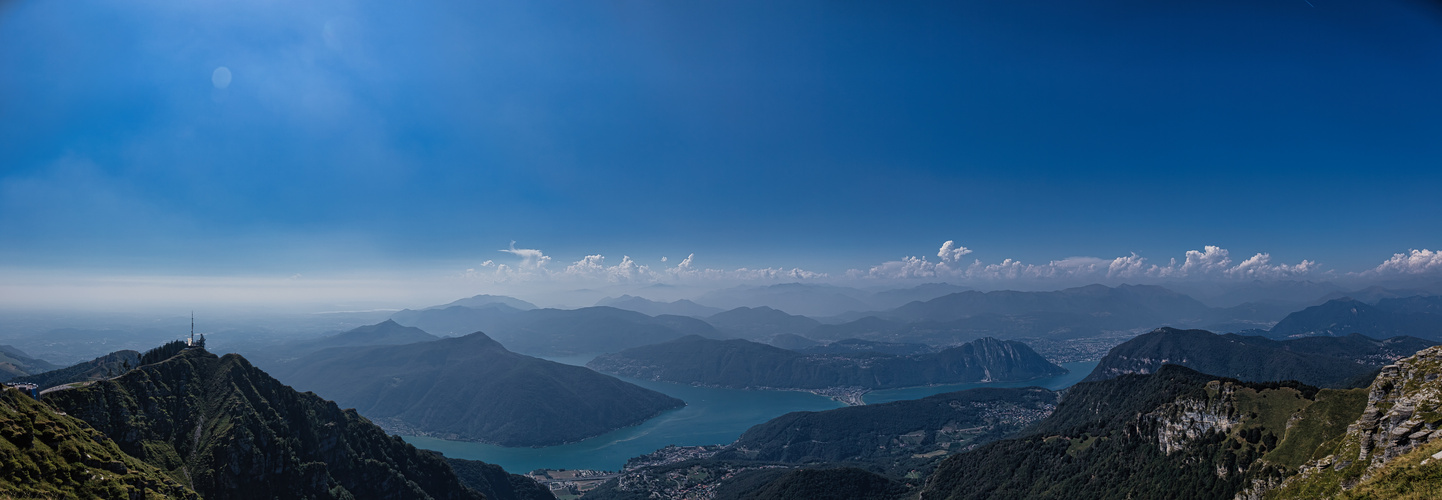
192, 328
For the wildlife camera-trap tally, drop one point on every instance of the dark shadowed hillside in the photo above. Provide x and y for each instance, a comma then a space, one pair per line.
899, 436
471, 388
745, 364
497, 484
1323, 361
229, 430
842, 483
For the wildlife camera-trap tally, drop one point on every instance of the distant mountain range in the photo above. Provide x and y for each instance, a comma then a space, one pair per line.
648, 307
1416, 315
15, 363
471, 388
1132, 302
480, 301
1080, 312
387, 332
760, 322
1322, 361
557, 331
948, 319
228, 430
744, 364
794, 298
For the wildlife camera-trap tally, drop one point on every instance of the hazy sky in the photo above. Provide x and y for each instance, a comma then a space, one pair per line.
797, 140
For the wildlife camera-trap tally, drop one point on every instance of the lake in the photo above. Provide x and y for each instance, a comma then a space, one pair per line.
711, 416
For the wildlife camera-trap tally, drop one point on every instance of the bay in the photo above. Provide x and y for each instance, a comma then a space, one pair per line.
711, 416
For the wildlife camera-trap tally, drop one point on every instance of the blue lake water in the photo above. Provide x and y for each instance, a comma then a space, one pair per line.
711, 416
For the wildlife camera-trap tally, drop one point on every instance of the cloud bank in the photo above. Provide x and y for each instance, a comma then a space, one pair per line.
1209, 262
534, 266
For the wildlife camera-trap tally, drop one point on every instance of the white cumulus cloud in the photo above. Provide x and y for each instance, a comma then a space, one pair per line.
951, 252
1210, 258
1127, 267
1412, 262
1260, 266
530, 258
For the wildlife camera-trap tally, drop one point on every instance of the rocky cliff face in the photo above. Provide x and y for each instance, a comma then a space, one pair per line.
1188, 418
230, 431
1402, 409
1403, 414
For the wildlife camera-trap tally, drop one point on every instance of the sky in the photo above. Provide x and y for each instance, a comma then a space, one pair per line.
376, 150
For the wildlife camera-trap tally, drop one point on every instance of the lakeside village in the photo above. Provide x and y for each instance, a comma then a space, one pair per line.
566, 484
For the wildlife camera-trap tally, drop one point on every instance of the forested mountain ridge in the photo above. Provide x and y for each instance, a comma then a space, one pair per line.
740, 363
471, 388
106, 366
1321, 361
899, 436
1174, 433
497, 484
229, 430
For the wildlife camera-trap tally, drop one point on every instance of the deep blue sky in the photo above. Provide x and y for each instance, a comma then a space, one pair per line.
823, 135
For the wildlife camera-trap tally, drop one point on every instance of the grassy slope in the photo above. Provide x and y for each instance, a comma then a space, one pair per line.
49, 455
